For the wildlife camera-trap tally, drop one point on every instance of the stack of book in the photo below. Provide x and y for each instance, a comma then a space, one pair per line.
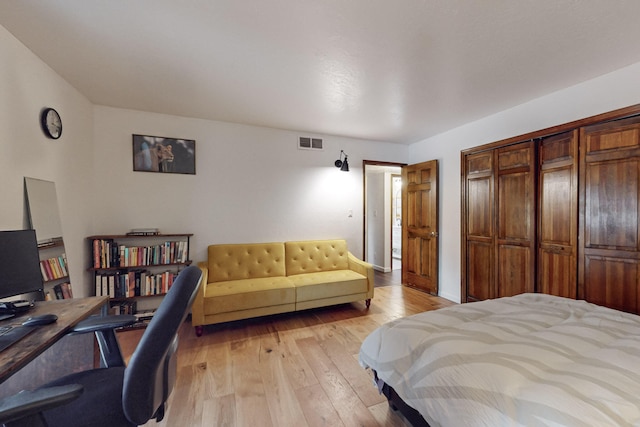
125, 307
133, 283
108, 254
143, 232
60, 291
54, 268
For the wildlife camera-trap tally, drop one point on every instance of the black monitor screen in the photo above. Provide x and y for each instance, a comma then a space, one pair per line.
19, 263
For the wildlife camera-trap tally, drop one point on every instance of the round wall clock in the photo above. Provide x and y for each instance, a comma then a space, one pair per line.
51, 123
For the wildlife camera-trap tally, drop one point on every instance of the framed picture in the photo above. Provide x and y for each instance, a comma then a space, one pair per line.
164, 155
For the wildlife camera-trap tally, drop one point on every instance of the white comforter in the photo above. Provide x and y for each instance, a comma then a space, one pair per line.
529, 360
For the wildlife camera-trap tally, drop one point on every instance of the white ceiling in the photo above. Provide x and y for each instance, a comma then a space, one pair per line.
397, 71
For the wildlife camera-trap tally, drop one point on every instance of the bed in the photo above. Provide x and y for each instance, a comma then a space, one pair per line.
527, 360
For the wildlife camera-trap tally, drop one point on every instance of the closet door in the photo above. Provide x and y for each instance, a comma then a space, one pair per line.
478, 245
609, 247
515, 219
558, 215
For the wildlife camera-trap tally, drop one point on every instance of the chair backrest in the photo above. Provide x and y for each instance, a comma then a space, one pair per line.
150, 374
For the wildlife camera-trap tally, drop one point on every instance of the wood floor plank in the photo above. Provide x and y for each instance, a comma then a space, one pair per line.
317, 407
219, 412
220, 379
387, 417
297, 369
281, 396
252, 408
352, 372
343, 398
186, 400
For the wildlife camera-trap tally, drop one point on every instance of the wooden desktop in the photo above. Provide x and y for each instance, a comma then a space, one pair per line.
58, 360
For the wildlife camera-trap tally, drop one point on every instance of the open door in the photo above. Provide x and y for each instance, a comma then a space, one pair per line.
420, 226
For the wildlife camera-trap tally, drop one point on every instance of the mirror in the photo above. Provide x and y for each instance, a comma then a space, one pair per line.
42, 205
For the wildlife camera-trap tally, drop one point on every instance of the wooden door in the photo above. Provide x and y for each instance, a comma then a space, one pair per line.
609, 249
515, 219
478, 207
558, 215
420, 226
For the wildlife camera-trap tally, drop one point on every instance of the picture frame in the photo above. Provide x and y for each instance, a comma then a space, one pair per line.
163, 154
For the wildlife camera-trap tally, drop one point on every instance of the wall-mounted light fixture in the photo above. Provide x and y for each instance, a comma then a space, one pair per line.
342, 164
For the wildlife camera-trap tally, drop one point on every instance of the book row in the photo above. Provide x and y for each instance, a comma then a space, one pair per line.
130, 307
124, 307
133, 283
107, 253
60, 291
54, 268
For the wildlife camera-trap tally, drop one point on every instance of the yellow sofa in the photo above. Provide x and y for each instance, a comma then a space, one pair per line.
248, 280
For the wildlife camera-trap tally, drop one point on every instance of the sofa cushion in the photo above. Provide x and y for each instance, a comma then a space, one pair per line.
328, 284
245, 261
245, 294
313, 256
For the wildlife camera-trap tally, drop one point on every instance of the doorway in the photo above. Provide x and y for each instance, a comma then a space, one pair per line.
382, 215
396, 222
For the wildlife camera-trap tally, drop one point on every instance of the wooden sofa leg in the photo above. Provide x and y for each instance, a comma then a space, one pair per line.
368, 302
199, 330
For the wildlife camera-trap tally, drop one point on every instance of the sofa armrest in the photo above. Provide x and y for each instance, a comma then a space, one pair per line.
197, 309
365, 269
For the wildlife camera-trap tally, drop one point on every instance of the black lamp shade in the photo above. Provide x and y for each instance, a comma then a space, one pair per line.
342, 164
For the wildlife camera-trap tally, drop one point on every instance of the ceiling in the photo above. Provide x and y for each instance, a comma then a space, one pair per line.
397, 71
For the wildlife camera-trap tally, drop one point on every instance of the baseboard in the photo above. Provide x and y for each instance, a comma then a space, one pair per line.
450, 297
382, 269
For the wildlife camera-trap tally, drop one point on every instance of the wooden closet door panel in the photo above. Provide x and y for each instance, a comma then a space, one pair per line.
609, 214
479, 271
557, 273
612, 282
611, 205
479, 223
515, 270
480, 207
558, 215
515, 210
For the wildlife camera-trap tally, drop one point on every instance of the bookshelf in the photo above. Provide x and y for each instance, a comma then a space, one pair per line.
55, 270
135, 270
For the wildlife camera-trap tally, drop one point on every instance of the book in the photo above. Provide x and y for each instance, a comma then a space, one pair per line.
66, 290
69, 288
143, 232
57, 289
112, 285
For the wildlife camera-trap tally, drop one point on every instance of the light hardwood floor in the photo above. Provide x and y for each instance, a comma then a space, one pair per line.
297, 369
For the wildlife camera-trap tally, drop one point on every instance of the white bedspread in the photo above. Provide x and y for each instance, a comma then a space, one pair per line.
529, 360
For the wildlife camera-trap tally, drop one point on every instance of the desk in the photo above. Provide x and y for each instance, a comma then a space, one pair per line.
69, 312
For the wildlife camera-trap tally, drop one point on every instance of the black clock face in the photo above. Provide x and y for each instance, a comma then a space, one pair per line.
51, 123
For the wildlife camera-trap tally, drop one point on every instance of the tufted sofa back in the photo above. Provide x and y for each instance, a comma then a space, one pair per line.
245, 261
311, 256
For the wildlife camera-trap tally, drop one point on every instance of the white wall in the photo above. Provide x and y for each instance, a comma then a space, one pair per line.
376, 193
609, 92
252, 184
26, 86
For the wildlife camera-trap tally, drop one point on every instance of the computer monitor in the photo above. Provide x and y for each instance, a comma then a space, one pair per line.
19, 264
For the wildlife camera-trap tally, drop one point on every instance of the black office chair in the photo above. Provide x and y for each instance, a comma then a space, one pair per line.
114, 395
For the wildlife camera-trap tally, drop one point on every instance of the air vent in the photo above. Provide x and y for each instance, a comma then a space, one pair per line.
306, 143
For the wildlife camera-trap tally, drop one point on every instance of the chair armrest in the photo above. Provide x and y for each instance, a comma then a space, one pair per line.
25, 408
100, 323
104, 328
